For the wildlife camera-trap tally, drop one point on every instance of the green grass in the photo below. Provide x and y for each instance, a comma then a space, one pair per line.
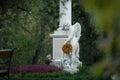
83, 74
41, 76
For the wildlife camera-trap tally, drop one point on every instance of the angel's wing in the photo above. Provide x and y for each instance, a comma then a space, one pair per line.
77, 28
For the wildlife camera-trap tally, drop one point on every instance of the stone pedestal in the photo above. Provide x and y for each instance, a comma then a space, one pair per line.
59, 38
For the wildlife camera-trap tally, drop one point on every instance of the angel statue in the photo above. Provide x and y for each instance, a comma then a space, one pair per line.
74, 34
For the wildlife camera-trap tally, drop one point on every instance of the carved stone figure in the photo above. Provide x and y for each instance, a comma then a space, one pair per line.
73, 38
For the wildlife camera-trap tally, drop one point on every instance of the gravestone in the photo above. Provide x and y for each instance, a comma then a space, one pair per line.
61, 35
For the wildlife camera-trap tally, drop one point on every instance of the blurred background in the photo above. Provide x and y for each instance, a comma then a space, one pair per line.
26, 24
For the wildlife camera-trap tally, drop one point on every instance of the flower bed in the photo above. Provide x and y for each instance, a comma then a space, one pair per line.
34, 68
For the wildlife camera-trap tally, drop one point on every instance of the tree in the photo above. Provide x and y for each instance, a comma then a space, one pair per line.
26, 24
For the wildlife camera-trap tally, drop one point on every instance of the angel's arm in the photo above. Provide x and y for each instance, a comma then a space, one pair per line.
70, 36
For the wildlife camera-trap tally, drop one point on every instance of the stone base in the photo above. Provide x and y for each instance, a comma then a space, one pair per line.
57, 63
71, 70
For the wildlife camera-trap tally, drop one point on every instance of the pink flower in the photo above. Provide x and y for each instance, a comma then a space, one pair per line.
49, 56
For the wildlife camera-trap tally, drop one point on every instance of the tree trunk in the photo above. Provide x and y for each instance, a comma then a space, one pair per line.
40, 47
36, 57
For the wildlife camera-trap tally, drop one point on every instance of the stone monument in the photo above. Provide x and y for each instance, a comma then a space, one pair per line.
66, 33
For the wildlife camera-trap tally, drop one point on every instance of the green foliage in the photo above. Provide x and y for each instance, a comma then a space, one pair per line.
105, 15
27, 25
89, 53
